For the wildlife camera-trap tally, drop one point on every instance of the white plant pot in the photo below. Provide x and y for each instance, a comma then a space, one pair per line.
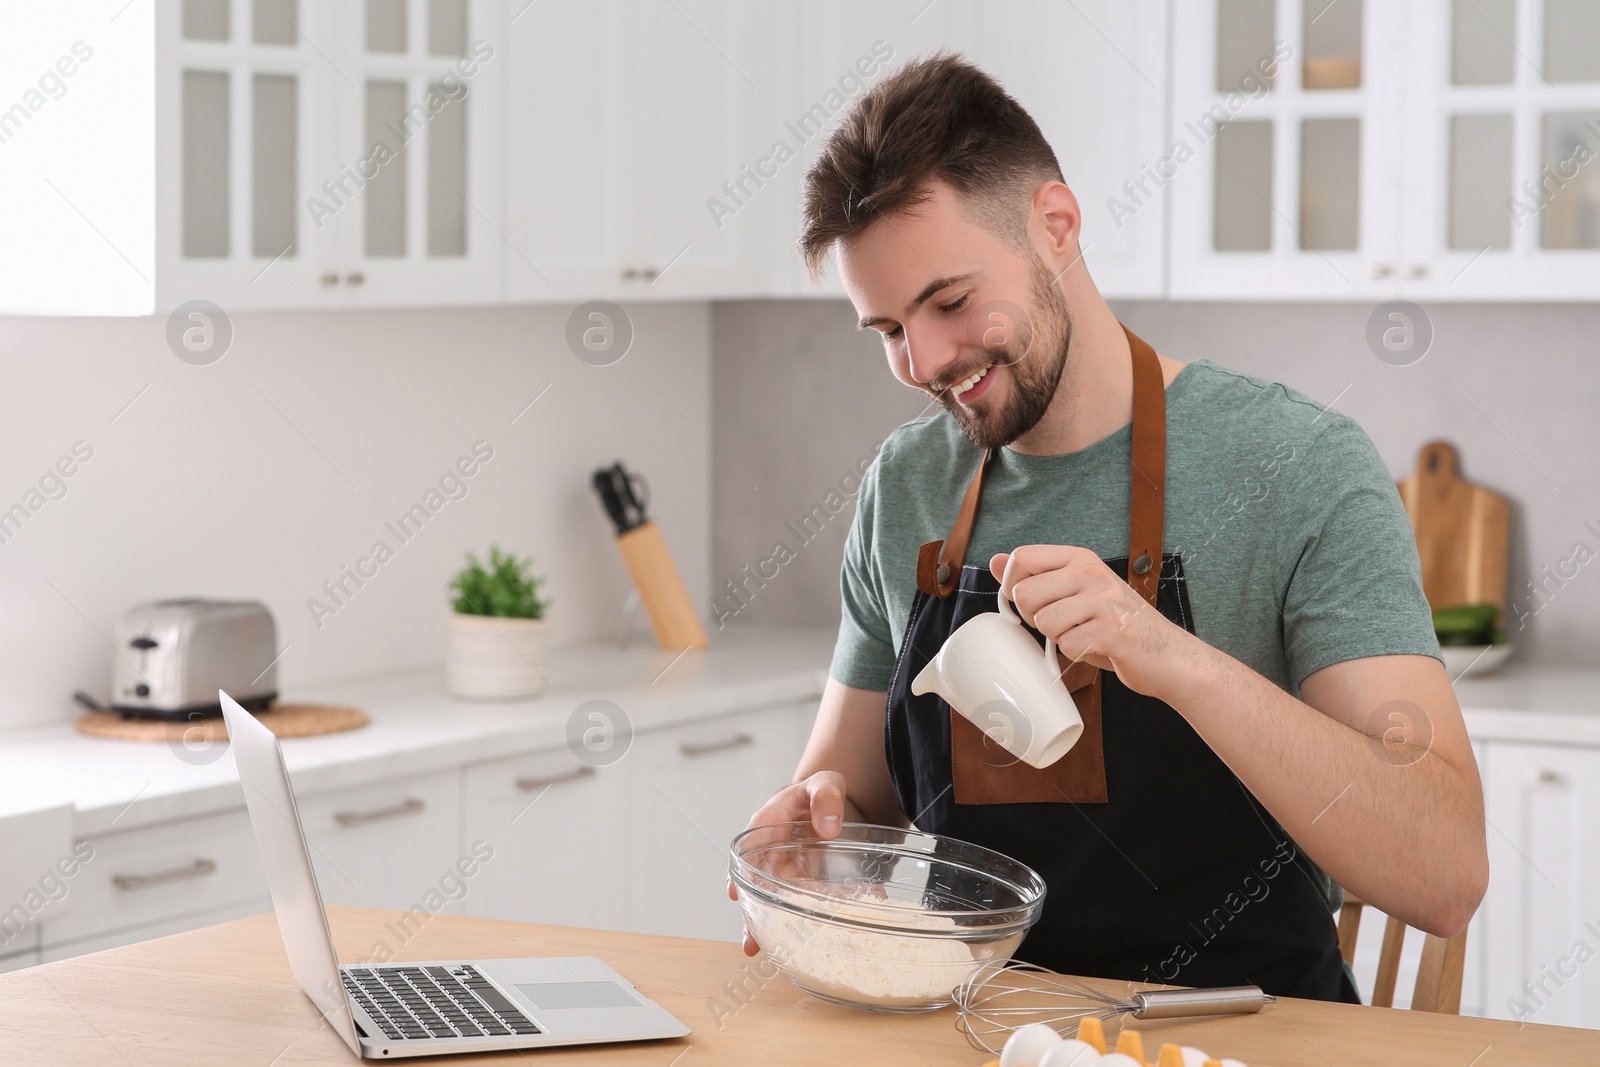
496, 659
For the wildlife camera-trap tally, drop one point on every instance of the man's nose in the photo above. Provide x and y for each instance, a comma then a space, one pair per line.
932, 348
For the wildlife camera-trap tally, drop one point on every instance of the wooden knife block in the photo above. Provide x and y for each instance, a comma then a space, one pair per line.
666, 601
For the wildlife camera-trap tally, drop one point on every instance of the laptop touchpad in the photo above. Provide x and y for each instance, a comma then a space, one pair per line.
554, 996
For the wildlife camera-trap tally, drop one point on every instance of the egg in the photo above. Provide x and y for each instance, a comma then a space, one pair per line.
1027, 1045
1193, 1057
1118, 1059
1071, 1053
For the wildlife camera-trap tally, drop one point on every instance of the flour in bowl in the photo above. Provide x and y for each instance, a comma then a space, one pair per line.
865, 965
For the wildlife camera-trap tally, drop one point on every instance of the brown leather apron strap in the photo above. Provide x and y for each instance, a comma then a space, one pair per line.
1147, 511
939, 563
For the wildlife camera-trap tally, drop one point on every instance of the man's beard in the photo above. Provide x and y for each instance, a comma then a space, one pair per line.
1037, 356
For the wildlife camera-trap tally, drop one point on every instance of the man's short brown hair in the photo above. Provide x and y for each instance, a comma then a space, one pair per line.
938, 118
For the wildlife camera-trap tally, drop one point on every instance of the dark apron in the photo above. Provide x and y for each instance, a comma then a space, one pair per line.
1160, 865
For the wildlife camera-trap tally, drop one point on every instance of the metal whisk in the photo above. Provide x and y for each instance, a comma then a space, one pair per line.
1001, 997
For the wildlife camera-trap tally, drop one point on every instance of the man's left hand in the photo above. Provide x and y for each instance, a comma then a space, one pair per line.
1070, 595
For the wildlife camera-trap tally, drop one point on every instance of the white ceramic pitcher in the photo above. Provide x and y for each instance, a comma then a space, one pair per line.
991, 672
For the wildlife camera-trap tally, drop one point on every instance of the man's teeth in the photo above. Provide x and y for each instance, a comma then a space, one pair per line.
967, 383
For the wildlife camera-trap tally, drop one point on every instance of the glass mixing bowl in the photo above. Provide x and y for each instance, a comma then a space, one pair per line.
880, 918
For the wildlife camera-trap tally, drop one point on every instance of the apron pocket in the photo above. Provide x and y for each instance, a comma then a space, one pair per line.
985, 773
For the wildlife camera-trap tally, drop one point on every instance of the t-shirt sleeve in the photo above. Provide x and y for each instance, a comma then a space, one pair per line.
1354, 584
863, 656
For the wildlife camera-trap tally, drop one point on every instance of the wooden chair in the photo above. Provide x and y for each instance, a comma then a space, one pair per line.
1438, 975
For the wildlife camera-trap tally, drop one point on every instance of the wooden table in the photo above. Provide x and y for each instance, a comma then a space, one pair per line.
224, 995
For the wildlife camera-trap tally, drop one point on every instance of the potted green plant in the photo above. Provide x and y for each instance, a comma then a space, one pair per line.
498, 632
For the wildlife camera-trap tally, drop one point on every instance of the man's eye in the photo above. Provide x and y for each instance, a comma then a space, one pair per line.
956, 305
890, 335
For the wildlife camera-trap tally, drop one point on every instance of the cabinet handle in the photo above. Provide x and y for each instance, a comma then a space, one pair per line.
1380, 270
1415, 270
197, 869
736, 741
355, 277
409, 806
629, 274
1549, 777
649, 274
330, 279
528, 785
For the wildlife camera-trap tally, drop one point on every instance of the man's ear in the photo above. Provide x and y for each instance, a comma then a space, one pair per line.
1060, 220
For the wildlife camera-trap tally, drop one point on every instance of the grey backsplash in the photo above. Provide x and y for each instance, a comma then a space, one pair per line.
799, 396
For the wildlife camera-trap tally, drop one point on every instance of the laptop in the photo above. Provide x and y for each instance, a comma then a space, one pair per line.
385, 1011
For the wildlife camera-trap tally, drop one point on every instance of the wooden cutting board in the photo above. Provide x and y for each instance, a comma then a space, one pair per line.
1463, 531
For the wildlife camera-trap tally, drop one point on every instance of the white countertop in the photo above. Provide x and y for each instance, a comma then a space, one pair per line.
416, 727
1534, 703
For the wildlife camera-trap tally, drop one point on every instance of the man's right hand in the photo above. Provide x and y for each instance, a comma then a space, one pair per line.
818, 799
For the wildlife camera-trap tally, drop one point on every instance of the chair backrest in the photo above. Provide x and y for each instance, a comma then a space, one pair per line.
1444, 959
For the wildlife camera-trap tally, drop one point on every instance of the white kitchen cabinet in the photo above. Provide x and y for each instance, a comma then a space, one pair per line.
319, 155
388, 845
226, 151
157, 874
1285, 148
1501, 157
693, 788
623, 120
1442, 149
1542, 914
557, 826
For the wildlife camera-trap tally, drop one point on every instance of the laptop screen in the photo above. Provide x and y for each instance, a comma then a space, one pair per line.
284, 855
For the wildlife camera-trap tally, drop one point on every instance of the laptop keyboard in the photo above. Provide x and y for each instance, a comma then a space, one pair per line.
419, 1003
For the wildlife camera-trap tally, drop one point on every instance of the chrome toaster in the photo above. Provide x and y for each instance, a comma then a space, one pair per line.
173, 655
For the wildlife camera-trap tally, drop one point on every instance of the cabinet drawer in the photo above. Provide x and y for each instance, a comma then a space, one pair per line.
558, 829
158, 873
693, 788
387, 845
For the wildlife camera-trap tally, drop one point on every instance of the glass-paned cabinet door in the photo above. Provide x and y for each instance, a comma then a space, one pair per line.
416, 159
1281, 170
239, 138
1502, 162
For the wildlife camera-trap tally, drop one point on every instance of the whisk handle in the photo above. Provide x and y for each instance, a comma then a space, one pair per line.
1173, 1003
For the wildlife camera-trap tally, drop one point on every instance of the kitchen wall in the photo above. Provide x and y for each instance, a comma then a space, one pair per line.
798, 395
263, 474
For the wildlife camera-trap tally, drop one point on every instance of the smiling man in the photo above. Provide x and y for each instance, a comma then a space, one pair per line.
1224, 565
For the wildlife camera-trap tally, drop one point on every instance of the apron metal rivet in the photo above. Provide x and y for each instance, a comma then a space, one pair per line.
944, 573
1142, 564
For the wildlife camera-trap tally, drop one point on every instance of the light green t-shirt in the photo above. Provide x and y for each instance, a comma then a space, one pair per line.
1296, 548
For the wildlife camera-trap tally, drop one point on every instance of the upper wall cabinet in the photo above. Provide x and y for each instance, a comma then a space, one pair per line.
1285, 129
254, 153
1438, 149
627, 120
1501, 156
328, 155
77, 159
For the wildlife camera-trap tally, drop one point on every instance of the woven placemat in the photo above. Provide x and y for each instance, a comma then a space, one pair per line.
285, 720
